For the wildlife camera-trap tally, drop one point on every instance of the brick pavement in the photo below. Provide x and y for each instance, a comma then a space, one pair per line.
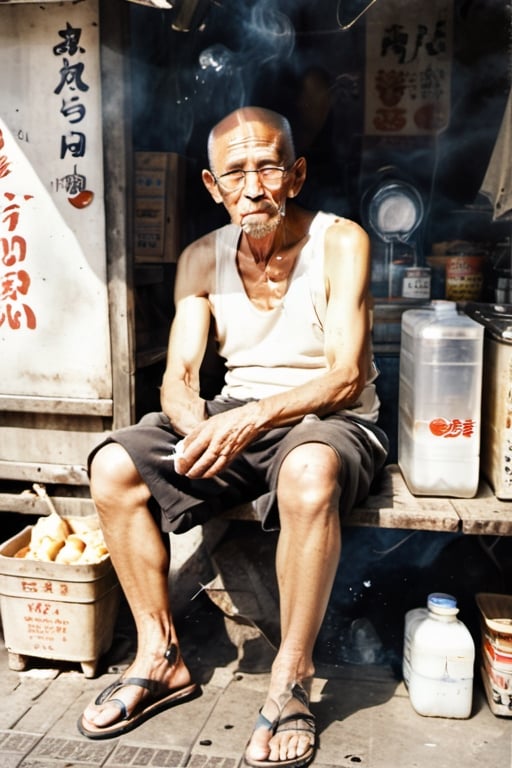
363, 713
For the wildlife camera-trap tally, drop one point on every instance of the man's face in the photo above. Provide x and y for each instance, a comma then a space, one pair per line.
258, 204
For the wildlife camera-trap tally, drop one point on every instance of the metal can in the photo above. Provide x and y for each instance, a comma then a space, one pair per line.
416, 283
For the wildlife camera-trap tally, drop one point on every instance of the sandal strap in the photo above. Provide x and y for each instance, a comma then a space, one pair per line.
308, 720
299, 692
155, 688
294, 691
264, 722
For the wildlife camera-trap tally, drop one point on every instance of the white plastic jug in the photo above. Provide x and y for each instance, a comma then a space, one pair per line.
438, 659
440, 392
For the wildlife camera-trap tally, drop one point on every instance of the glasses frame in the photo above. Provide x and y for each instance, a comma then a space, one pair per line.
283, 169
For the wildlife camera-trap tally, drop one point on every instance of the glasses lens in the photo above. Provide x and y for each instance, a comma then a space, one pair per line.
271, 175
234, 180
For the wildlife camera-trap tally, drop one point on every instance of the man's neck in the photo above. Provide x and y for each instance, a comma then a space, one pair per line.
290, 230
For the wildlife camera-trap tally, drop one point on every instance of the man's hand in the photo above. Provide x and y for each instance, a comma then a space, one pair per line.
214, 443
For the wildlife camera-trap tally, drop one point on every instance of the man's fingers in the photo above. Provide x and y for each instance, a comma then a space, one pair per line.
208, 465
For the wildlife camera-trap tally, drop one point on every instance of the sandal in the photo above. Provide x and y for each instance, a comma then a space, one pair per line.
159, 697
298, 721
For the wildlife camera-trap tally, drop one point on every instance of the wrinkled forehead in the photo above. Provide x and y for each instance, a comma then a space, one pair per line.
238, 135
245, 136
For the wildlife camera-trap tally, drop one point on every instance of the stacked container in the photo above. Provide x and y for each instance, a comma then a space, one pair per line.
496, 457
438, 659
496, 651
439, 400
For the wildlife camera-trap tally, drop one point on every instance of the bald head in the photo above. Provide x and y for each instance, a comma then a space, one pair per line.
239, 122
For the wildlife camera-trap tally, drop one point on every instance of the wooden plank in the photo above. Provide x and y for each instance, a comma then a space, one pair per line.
245, 512
394, 506
484, 514
56, 474
29, 503
63, 405
391, 506
117, 155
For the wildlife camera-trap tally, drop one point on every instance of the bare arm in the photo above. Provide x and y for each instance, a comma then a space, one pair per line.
179, 396
347, 266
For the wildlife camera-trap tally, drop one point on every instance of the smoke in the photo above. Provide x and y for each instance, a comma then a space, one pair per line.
266, 34
264, 51
270, 32
264, 37
192, 79
216, 57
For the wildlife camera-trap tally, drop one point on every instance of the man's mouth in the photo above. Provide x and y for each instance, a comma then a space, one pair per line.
254, 215
267, 211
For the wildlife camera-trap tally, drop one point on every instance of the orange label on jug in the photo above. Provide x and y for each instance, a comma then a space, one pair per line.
452, 427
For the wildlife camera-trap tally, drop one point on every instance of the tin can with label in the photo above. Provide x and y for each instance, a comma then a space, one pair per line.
416, 283
464, 277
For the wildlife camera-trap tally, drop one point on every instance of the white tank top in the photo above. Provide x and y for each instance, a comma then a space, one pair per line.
270, 351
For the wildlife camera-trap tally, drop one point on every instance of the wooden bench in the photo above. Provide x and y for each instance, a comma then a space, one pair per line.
391, 506
394, 506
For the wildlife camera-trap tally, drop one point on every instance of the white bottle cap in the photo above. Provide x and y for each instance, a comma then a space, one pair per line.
442, 603
443, 306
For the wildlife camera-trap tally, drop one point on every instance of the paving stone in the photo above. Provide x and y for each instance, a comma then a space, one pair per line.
14, 746
72, 751
156, 757
364, 718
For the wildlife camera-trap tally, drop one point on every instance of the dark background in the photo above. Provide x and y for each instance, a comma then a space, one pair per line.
292, 56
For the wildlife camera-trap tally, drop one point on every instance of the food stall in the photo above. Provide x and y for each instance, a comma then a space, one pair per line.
105, 108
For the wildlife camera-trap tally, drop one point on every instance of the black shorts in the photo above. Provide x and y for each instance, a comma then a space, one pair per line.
184, 503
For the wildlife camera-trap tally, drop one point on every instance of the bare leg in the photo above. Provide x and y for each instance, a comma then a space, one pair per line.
307, 558
141, 561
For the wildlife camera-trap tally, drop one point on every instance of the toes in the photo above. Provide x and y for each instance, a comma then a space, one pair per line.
259, 747
304, 743
107, 715
288, 747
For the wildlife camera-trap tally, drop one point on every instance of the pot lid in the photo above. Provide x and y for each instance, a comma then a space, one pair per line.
395, 211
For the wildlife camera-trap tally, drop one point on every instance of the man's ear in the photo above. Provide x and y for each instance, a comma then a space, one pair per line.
299, 176
211, 185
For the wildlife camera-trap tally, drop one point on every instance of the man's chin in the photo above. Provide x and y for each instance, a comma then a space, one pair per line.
260, 229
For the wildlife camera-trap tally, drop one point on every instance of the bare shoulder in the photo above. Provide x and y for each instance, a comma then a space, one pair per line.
196, 268
345, 233
346, 258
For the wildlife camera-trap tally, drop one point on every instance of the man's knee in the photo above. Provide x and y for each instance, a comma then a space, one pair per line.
111, 469
309, 476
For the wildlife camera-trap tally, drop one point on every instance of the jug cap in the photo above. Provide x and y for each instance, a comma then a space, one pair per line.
441, 602
443, 306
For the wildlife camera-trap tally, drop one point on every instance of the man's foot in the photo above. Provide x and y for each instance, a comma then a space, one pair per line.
289, 739
130, 700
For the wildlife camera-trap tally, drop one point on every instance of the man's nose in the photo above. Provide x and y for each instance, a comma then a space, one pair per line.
252, 184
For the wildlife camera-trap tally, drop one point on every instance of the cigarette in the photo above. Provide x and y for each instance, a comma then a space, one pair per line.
176, 451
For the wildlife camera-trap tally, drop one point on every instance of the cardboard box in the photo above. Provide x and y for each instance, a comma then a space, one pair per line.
158, 176
55, 611
496, 651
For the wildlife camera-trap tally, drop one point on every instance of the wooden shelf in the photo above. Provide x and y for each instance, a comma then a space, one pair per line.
394, 506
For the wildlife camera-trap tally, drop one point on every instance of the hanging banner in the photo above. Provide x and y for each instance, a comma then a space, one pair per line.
408, 67
54, 318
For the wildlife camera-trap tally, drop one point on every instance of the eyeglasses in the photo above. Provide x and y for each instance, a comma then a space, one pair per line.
269, 176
